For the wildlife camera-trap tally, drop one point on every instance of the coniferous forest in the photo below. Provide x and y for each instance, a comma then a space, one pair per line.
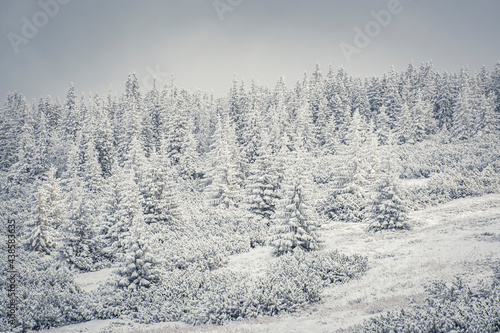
161, 190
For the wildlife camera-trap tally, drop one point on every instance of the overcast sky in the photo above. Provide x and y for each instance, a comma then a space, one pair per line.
96, 43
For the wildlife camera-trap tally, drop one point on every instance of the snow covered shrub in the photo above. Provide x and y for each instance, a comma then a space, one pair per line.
458, 308
454, 184
496, 272
202, 244
323, 171
231, 231
196, 253
298, 278
456, 170
145, 305
388, 209
201, 297
288, 285
420, 197
191, 296
190, 252
334, 267
226, 296
420, 160
108, 302
47, 295
344, 206
294, 280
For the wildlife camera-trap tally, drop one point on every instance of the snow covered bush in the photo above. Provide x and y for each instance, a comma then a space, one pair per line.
388, 210
47, 295
288, 286
204, 243
421, 160
457, 307
294, 280
196, 253
225, 296
334, 267
453, 184
200, 297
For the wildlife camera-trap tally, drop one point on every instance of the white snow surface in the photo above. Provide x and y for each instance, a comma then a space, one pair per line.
419, 182
459, 238
91, 281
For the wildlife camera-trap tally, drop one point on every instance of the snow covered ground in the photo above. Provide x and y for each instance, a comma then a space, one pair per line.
92, 280
459, 238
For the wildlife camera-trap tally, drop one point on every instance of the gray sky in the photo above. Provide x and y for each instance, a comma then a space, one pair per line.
96, 43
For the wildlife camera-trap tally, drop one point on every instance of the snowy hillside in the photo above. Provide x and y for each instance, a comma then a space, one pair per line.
457, 239
315, 207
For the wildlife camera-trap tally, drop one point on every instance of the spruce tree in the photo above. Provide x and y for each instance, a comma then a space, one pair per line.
422, 121
161, 209
104, 143
346, 200
444, 102
225, 188
305, 135
72, 120
332, 141
49, 214
125, 208
322, 125
404, 127
13, 116
488, 122
262, 191
91, 171
24, 171
495, 85
388, 210
296, 224
189, 167
137, 263
250, 136
79, 244
372, 152
383, 125
177, 131
462, 116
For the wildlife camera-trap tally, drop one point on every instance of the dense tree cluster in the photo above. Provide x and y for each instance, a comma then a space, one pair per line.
121, 158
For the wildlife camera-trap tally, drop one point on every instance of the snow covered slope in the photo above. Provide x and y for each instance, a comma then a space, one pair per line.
459, 238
